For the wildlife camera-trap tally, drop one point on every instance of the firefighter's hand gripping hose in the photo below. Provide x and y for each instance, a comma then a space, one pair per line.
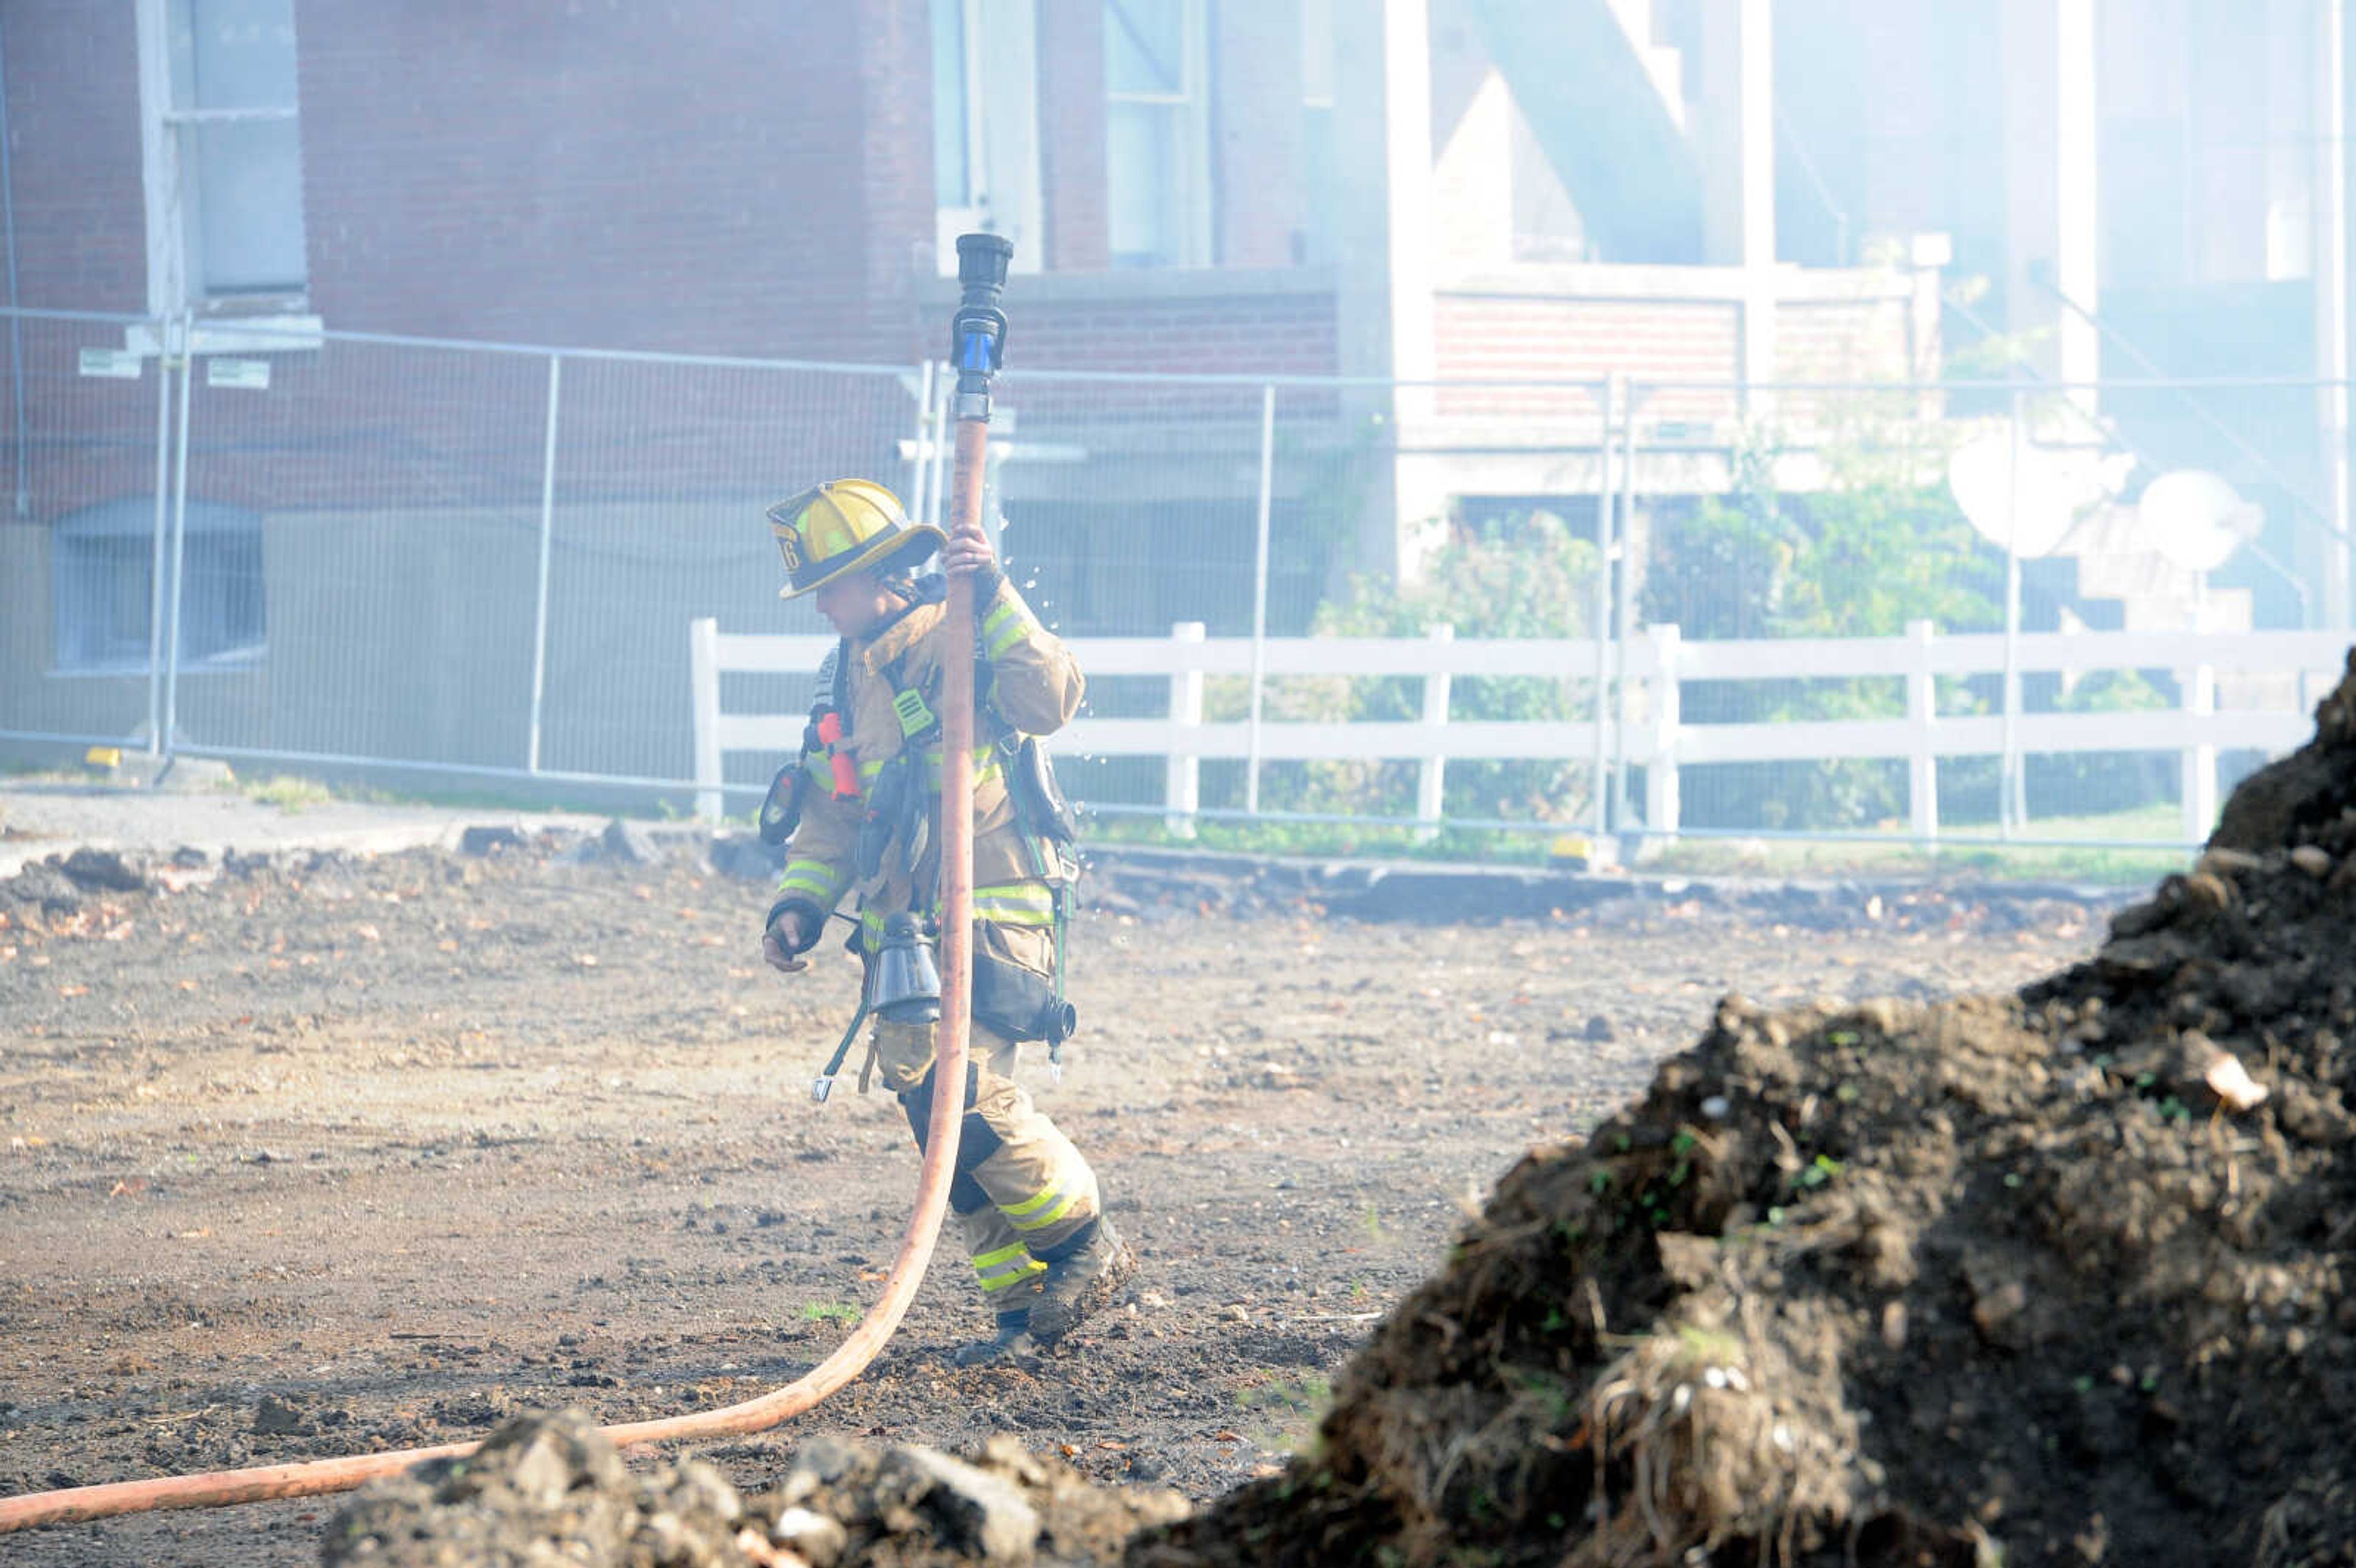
979, 338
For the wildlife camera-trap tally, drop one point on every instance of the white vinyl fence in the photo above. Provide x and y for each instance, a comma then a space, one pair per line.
1642, 725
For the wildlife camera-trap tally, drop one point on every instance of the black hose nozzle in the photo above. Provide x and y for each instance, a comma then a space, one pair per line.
978, 332
981, 264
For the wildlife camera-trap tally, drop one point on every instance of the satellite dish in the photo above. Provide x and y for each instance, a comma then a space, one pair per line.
2055, 489
2195, 518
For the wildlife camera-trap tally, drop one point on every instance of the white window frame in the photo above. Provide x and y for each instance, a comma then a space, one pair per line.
1185, 194
279, 321
1001, 63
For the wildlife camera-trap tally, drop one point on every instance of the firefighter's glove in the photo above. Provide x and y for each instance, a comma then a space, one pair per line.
969, 555
791, 932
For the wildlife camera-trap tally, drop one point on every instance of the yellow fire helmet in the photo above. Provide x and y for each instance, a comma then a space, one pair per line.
845, 526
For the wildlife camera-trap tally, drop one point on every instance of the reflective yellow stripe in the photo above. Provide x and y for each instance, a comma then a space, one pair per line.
1038, 1213
1042, 1222
1006, 624
1031, 1205
1006, 1267
1015, 903
812, 878
868, 768
985, 759
1006, 639
992, 1284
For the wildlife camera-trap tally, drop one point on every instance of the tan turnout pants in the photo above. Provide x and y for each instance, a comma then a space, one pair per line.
1021, 1192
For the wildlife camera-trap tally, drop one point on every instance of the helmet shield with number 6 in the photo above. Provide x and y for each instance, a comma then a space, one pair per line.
845, 526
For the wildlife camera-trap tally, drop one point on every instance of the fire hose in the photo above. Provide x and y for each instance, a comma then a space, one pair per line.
977, 338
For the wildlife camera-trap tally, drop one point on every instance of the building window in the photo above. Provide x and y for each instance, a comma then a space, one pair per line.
1157, 133
955, 136
986, 125
1318, 163
224, 165
105, 586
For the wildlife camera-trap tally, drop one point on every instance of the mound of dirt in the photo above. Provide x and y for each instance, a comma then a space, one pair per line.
551, 1489
2058, 1278
544, 1489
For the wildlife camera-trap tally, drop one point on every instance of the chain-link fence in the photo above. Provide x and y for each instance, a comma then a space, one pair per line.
1647, 608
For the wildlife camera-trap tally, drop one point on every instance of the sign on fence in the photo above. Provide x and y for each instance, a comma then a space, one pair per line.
114, 364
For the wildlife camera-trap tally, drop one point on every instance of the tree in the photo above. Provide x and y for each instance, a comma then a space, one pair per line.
1522, 576
1883, 543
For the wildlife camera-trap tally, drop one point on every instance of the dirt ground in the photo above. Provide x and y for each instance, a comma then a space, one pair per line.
336, 1153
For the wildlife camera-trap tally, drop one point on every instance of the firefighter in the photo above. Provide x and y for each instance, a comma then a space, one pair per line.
1044, 1253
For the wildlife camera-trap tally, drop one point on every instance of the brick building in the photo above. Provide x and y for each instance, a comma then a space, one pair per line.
1472, 192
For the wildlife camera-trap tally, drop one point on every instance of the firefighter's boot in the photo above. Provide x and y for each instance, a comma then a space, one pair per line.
1011, 1342
1083, 1275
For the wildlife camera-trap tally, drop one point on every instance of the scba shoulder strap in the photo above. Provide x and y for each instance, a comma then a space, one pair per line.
781, 808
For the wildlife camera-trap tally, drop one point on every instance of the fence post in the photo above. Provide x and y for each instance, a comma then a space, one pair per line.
1259, 590
164, 357
547, 536
1182, 790
1624, 548
920, 464
1921, 714
2012, 797
703, 680
16, 341
1431, 778
171, 724
2327, 40
1663, 805
937, 492
2197, 762
1599, 613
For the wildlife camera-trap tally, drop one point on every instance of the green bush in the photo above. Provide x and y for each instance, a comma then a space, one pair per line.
1525, 576
1881, 544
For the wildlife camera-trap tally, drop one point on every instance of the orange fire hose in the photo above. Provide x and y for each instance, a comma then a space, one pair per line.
311, 1478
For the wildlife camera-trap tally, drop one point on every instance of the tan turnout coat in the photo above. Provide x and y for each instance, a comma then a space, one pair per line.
1031, 687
